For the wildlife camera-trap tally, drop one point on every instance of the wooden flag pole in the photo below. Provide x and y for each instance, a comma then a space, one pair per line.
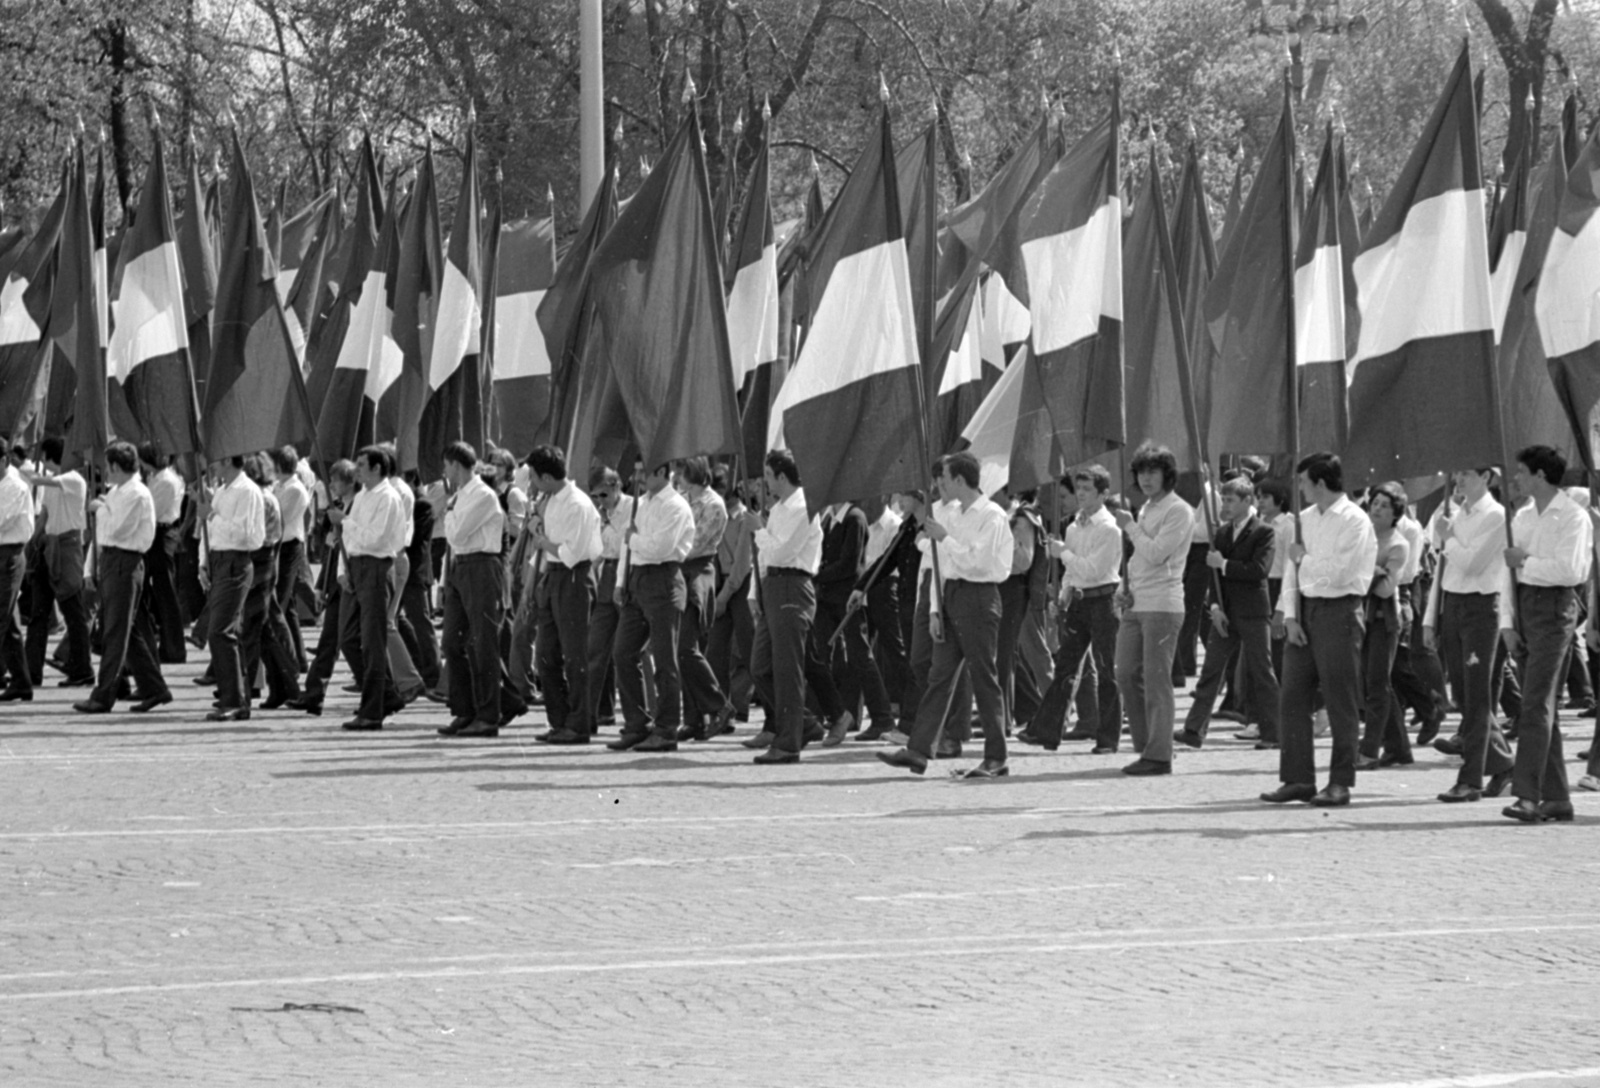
1291, 335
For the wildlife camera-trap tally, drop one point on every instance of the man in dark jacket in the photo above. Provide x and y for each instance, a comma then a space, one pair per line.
1240, 560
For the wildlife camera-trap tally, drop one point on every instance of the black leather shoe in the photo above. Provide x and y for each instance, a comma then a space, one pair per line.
480, 729
1080, 734
878, 730
1332, 796
1429, 730
1192, 740
1450, 746
906, 758
1459, 793
777, 755
145, 706
812, 735
562, 736
655, 743
1368, 763
76, 682
205, 680
1267, 746
1103, 750
457, 724
434, 696
1525, 811
627, 741
310, 704
983, 770
1558, 811
1395, 759
274, 702
762, 740
1290, 791
692, 732
362, 725
1497, 784
947, 749
1142, 767
721, 724
16, 695
236, 714
89, 706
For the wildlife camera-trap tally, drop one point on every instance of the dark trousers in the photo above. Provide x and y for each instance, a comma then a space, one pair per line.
474, 611
1013, 611
339, 633
728, 649
779, 656
883, 624
13, 570
651, 616
856, 672
373, 587
57, 581
266, 632
971, 643
564, 602
603, 621
1469, 633
231, 574
958, 711
819, 668
161, 588
1385, 726
702, 693
1329, 664
125, 623
1250, 638
1185, 662
1547, 617
1088, 626
287, 576
415, 624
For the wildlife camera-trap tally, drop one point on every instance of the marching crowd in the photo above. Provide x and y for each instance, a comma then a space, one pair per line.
691, 599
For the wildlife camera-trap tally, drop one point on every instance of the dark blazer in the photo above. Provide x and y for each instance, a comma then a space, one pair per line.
1244, 577
843, 545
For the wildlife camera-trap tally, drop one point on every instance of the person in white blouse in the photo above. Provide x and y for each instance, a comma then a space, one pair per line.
975, 553
1324, 594
374, 532
658, 541
294, 508
235, 520
16, 529
566, 541
1548, 564
474, 593
616, 513
56, 571
125, 527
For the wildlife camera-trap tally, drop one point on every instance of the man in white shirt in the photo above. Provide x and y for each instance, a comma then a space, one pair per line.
975, 552
616, 512
1090, 552
55, 572
161, 561
294, 509
652, 612
125, 527
1461, 621
474, 595
1324, 590
566, 543
16, 529
234, 515
1548, 565
374, 532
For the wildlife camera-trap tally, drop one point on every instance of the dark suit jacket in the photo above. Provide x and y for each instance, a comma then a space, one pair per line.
1244, 577
843, 545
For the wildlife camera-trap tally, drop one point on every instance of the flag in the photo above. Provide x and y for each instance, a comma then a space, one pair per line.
1195, 257
197, 258
478, 404
658, 316
1423, 395
1010, 432
1567, 304
298, 237
457, 328
302, 295
1244, 377
1230, 212
851, 409
342, 286
562, 313
914, 166
525, 269
753, 260
956, 377
256, 396
152, 390
1071, 235
25, 315
987, 224
1319, 302
400, 395
75, 401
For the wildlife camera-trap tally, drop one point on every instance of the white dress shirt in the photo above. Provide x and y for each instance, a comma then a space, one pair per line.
474, 524
166, 491
1559, 541
1093, 552
940, 512
376, 525
1474, 548
573, 525
792, 538
16, 508
979, 543
614, 528
1341, 553
1161, 536
128, 518
880, 534
293, 503
665, 530
63, 505
238, 521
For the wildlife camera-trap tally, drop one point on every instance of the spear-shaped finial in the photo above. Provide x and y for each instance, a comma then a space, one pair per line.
644, 166
816, 170
883, 88
738, 124
82, 132
1528, 102
472, 113
550, 197
616, 131
766, 111
155, 116
688, 87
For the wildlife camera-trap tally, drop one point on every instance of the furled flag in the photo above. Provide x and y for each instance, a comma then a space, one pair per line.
1071, 234
75, 401
1567, 305
25, 315
563, 314
297, 238
914, 168
753, 261
1244, 379
658, 316
1423, 395
851, 410
956, 377
1319, 285
197, 257
360, 244
457, 328
525, 269
1010, 433
478, 405
399, 395
301, 296
152, 391
1195, 257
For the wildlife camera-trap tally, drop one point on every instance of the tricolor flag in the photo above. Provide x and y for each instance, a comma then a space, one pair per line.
914, 168
1423, 395
25, 315
477, 406
1006, 322
563, 313
1195, 256
256, 396
753, 257
987, 225
1010, 433
152, 394
297, 237
197, 257
1319, 285
851, 409
658, 316
75, 403
399, 395
346, 284
524, 270
1508, 239
1071, 234
301, 297
457, 328
1567, 305
957, 378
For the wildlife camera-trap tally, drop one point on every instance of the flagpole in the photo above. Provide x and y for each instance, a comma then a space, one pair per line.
1292, 374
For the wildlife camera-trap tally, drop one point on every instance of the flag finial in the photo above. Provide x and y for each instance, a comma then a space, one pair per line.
766, 110
883, 88
816, 169
644, 166
1528, 103
155, 117
688, 87
738, 124
616, 131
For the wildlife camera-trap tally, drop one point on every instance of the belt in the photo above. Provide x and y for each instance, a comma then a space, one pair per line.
108, 548
968, 582
788, 572
670, 564
463, 557
1092, 592
576, 568
1549, 589
1330, 600
1476, 596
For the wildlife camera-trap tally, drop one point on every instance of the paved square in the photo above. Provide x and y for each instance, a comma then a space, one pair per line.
277, 902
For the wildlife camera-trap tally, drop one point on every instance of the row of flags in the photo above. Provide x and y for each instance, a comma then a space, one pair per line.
1046, 322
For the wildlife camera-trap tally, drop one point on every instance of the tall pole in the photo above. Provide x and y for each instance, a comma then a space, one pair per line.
591, 103
1291, 335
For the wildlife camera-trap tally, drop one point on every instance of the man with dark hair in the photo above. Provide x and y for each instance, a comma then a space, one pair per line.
374, 532
704, 701
1548, 565
161, 561
652, 614
267, 641
125, 527
844, 539
975, 552
733, 630
1324, 595
16, 529
55, 573
340, 625
566, 540
473, 596
236, 525
616, 511
294, 510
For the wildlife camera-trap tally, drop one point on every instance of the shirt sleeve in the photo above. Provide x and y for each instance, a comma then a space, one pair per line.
1104, 545
1170, 535
1474, 553
1568, 563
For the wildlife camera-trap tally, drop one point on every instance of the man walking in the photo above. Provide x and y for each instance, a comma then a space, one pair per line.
567, 543
474, 593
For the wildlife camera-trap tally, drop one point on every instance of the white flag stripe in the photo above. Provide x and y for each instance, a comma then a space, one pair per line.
1319, 308
1410, 286
966, 358
456, 327
519, 347
1075, 279
1503, 280
285, 283
368, 320
1005, 321
753, 315
1567, 306
388, 361
992, 431
17, 326
863, 328
147, 316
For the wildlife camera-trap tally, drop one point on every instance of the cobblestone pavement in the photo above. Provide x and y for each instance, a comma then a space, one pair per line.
277, 902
